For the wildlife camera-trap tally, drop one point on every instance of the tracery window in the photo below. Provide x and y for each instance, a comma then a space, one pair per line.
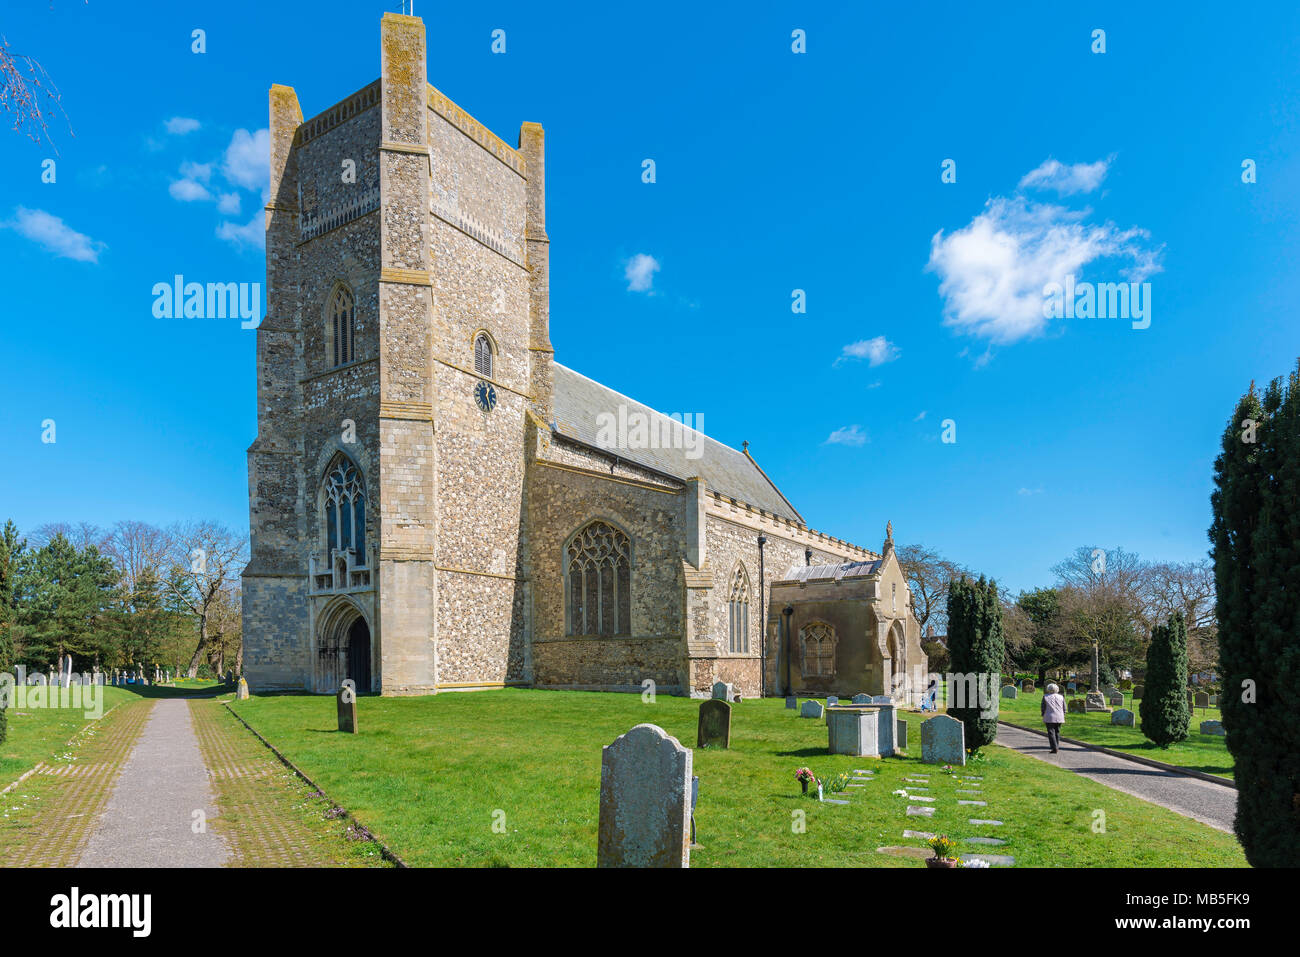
738, 612
345, 509
342, 326
818, 640
483, 355
598, 587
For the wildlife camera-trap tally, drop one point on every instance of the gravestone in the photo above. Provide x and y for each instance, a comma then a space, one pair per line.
792, 703
347, 708
1009, 691
1122, 716
1138, 691
1202, 699
1212, 727
881, 699
900, 735
862, 699
645, 801
811, 709
1027, 685
241, 693
1094, 701
1072, 686
861, 732
723, 691
832, 701
943, 741
714, 729
1116, 700
1075, 706
1214, 701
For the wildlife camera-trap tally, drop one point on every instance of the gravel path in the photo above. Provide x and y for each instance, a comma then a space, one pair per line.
1211, 804
148, 820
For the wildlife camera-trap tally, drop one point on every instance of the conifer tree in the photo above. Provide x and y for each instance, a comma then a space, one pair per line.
1256, 548
977, 647
1163, 709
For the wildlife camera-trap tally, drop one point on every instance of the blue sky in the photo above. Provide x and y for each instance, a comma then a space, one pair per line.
775, 171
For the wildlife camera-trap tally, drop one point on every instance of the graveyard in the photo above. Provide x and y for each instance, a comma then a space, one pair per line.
431, 776
1200, 752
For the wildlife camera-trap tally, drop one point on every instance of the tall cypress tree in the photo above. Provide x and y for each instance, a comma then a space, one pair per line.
11, 549
1163, 709
1256, 549
977, 647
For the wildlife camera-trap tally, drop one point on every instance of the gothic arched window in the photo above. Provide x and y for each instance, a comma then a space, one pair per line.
342, 326
738, 612
598, 581
483, 355
345, 509
818, 639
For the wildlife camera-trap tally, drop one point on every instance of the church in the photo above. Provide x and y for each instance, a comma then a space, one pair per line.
437, 504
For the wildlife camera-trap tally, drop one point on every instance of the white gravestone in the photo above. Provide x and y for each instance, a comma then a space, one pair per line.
645, 801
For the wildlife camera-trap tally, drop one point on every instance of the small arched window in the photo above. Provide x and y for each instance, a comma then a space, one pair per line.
818, 640
345, 510
598, 586
342, 326
738, 612
483, 355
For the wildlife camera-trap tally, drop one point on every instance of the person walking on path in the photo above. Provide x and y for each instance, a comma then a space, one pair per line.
1053, 709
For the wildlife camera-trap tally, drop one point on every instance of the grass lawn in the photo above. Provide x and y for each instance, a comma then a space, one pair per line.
1202, 752
36, 734
428, 774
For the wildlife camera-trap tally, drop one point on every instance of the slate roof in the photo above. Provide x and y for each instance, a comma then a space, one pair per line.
833, 572
578, 402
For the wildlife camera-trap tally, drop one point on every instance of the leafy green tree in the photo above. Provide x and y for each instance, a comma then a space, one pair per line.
1255, 539
64, 597
11, 551
977, 647
1163, 708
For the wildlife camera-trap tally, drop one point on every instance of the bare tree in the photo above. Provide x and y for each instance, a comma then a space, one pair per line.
207, 560
80, 534
28, 94
929, 576
139, 550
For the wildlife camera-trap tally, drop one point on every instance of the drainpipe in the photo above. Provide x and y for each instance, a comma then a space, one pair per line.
787, 611
807, 556
762, 617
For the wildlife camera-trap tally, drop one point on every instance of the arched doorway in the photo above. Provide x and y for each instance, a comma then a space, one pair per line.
343, 649
898, 656
358, 654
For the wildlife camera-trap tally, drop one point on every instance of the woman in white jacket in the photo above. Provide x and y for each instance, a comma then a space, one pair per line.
1053, 708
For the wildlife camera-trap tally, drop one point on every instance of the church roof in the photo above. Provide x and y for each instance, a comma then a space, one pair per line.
579, 402
833, 572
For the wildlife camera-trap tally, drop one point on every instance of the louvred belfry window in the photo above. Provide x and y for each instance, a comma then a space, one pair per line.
342, 313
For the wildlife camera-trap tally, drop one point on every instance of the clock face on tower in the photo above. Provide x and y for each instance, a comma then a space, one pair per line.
485, 397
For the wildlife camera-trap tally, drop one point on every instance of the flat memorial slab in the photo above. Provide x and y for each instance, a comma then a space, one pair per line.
974, 803
920, 853
923, 835
990, 841
993, 860
920, 811
977, 820
833, 801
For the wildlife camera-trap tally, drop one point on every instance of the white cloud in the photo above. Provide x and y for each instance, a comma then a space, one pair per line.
992, 271
252, 233
848, 435
53, 235
180, 125
187, 190
878, 351
640, 272
1031, 491
248, 160
202, 172
920, 415
1067, 180
228, 204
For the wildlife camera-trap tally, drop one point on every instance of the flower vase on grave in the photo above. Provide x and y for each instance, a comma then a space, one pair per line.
805, 786
819, 790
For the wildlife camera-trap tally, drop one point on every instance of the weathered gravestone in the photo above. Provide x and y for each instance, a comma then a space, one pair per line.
881, 699
832, 701
862, 732
1095, 701
1116, 700
1202, 699
1138, 691
1076, 706
241, 693
943, 741
900, 735
811, 709
723, 691
1009, 691
714, 729
1027, 685
862, 699
1122, 716
1212, 727
1214, 701
645, 801
1072, 686
347, 707
792, 703
1190, 704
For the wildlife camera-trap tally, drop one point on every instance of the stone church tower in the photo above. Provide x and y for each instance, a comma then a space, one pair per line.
436, 504
405, 344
